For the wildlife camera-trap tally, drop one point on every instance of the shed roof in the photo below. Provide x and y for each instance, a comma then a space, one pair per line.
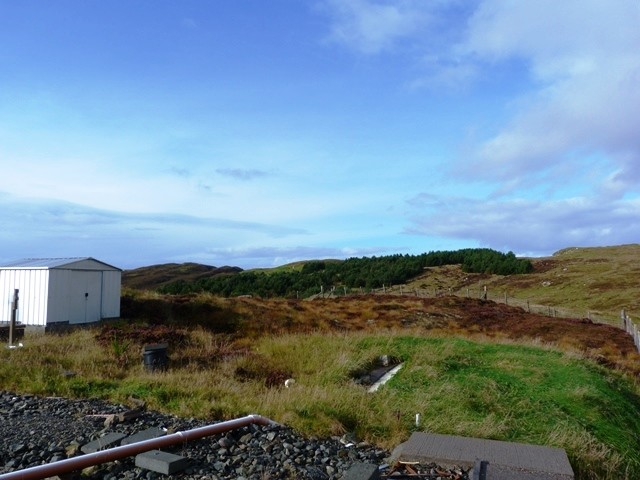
46, 263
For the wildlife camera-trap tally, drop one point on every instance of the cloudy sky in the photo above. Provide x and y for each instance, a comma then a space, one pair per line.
255, 133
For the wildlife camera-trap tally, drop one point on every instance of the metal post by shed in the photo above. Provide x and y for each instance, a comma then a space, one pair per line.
14, 314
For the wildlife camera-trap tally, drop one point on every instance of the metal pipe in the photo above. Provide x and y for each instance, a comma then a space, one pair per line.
84, 461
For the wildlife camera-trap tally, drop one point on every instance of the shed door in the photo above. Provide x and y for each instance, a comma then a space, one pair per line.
84, 296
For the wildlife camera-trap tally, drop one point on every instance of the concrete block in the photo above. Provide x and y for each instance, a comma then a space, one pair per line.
109, 440
479, 471
147, 434
362, 471
161, 462
505, 460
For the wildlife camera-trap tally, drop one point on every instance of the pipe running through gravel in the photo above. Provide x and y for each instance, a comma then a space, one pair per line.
104, 456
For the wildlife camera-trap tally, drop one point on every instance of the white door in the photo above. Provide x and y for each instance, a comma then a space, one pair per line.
84, 296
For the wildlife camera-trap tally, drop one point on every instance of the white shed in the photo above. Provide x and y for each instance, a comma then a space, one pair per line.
60, 291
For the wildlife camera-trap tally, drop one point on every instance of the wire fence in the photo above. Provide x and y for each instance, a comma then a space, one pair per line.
610, 318
622, 320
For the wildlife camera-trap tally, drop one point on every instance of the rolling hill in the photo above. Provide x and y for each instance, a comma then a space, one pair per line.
584, 281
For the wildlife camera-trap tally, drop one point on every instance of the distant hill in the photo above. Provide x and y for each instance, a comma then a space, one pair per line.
156, 276
596, 279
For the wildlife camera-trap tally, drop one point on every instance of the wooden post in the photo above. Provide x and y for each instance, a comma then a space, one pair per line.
14, 314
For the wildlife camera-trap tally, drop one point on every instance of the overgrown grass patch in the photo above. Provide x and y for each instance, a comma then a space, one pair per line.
507, 391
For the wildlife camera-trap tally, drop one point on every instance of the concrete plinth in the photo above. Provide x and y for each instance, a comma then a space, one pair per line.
161, 462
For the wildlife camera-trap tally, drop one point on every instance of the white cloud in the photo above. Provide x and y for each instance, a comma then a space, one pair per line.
276, 256
44, 228
370, 26
535, 226
584, 58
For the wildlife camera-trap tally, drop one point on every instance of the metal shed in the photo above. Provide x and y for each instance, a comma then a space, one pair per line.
60, 291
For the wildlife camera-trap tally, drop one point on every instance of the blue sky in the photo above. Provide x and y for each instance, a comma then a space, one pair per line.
254, 133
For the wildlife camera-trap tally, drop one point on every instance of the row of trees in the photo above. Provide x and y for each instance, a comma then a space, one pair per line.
353, 273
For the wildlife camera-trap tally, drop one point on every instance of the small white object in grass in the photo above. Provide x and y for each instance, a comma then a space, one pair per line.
288, 382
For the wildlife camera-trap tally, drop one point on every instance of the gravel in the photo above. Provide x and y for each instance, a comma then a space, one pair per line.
38, 430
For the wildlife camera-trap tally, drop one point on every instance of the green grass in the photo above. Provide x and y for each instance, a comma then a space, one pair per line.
513, 392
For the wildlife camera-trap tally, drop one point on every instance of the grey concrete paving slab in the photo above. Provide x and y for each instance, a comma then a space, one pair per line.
107, 441
504, 458
142, 435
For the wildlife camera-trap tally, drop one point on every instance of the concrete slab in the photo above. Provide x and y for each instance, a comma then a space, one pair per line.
529, 462
161, 462
147, 434
107, 441
362, 471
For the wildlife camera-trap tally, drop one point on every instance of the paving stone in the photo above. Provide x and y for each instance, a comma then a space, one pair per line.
109, 440
161, 462
147, 434
505, 459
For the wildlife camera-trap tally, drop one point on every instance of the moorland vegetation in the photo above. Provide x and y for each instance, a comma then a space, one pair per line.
470, 367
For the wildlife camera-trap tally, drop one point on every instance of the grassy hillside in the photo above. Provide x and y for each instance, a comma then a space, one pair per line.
600, 280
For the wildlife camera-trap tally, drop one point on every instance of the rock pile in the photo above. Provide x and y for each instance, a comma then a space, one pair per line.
37, 430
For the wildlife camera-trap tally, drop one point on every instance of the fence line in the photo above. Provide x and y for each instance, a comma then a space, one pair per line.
631, 328
484, 294
625, 320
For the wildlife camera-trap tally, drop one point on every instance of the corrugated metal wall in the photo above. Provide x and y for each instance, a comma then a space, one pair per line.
33, 295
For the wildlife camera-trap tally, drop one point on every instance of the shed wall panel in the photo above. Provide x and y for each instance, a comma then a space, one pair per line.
32, 303
111, 281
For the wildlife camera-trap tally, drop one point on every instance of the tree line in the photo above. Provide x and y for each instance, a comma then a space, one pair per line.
352, 273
